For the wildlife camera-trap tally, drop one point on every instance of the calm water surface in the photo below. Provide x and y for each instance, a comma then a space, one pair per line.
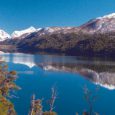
33, 79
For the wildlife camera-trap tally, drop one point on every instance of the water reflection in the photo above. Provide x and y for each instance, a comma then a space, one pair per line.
100, 72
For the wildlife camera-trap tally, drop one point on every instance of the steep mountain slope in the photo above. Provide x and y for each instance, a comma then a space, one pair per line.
101, 24
4, 35
57, 30
42, 31
94, 38
23, 33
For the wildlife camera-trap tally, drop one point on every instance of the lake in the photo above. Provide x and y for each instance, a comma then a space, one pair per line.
37, 74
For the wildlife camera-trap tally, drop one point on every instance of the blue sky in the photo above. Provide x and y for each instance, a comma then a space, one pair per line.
20, 14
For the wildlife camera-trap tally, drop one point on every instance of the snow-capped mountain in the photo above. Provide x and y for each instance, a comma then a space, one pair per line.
101, 24
4, 35
57, 30
23, 33
51, 29
112, 15
41, 31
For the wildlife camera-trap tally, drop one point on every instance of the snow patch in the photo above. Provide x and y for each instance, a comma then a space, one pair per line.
107, 16
28, 31
4, 35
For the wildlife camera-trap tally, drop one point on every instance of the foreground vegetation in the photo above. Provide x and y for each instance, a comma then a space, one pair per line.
7, 108
6, 84
37, 108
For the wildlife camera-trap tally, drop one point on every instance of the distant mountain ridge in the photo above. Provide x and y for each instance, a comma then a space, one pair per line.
17, 34
96, 37
4, 35
101, 24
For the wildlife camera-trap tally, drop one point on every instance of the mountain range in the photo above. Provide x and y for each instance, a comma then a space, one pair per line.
94, 38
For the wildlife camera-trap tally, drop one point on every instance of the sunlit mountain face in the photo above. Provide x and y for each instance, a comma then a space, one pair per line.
94, 38
102, 24
4, 35
98, 71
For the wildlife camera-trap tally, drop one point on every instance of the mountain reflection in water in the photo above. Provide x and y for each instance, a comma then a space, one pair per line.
101, 72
